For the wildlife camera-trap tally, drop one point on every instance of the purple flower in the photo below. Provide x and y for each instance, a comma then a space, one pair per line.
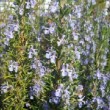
10, 18
78, 11
61, 41
105, 79
93, 2
35, 90
75, 76
21, 11
28, 5
88, 47
94, 47
79, 14
102, 89
86, 61
42, 71
58, 93
39, 63
33, 3
54, 7
27, 104
100, 102
77, 53
6, 42
31, 97
98, 74
75, 36
9, 34
105, 108
16, 27
32, 52
80, 87
81, 101
70, 74
49, 30
48, 54
55, 100
63, 71
51, 55
46, 31
80, 104
67, 94
52, 30
13, 66
33, 66
53, 58
5, 87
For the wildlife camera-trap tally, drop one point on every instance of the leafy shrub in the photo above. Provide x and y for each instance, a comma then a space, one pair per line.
55, 57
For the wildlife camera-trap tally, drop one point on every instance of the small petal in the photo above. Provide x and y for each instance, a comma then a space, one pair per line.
11, 68
53, 59
28, 5
30, 55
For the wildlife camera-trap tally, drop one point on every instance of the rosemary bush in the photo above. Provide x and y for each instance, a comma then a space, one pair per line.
55, 55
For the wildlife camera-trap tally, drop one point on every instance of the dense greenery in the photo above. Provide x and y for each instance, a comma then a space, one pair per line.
55, 55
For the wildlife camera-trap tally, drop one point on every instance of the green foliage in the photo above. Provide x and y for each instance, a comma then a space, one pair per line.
38, 77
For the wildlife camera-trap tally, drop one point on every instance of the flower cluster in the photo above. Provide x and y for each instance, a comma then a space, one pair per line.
13, 66
10, 29
5, 87
35, 90
32, 52
56, 57
30, 4
51, 55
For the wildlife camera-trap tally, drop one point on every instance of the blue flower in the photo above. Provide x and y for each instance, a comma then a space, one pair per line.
102, 89
93, 2
13, 66
80, 104
33, 3
55, 100
54, 7
100, 102
53, 58
28, 5
48, 54
63, 71
27, 104
16, 27
58, 93
32, 52
98, 74
36, 89
9, 34
81, 101
5, 87
21, 11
